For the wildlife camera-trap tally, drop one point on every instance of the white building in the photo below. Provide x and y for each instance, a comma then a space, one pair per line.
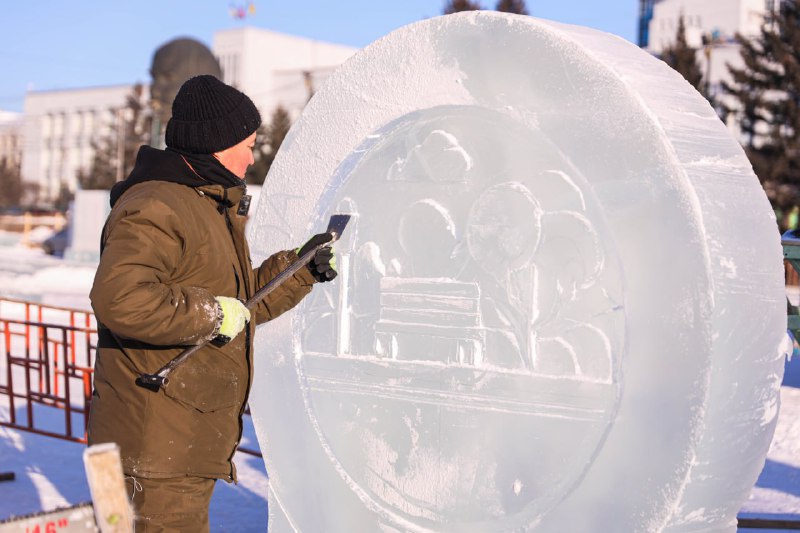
59, 128
274, 69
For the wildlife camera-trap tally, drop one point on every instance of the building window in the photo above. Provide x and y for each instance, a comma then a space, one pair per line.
45, 162
226, 69
88, 122
58, 125
74, 158
229, 64
47, 126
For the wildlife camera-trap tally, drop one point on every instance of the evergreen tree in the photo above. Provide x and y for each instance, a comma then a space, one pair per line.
767, 95
456, 6
512, 6
115, 155
681, 57
268, 141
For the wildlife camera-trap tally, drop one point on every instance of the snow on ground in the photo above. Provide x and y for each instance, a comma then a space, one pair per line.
49, 472
777, 491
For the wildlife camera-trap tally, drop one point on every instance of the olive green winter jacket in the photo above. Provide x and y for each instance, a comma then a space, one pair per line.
168, 250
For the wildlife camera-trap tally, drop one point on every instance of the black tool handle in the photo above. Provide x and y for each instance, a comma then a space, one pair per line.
160, 379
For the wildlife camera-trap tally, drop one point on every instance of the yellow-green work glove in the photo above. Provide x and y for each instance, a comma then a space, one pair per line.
234, 318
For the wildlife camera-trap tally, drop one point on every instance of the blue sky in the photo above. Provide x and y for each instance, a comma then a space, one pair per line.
58, 44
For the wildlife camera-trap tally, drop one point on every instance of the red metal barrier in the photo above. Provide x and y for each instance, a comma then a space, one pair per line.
48, 366
48, 360
46, 369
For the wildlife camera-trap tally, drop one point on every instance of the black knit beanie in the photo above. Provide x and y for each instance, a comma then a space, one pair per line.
209, 116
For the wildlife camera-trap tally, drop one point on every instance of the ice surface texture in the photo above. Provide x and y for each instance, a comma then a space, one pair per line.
561, 298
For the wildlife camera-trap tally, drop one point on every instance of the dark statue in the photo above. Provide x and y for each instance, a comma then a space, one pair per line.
173, 63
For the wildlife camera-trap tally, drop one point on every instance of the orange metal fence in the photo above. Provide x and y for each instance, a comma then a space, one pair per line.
46, 368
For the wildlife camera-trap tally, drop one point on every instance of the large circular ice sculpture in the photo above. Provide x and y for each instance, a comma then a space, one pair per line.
560, 304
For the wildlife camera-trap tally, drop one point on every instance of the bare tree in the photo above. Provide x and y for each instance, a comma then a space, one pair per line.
115, 155
10, 183
268, 142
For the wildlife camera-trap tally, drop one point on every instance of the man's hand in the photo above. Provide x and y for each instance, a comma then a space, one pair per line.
234, 318
323, 264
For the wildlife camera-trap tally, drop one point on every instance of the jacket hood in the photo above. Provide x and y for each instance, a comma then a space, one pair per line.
192, 170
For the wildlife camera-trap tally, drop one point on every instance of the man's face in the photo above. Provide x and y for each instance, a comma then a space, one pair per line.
238, 157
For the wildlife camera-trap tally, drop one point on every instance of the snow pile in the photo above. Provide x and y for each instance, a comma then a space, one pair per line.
30, 274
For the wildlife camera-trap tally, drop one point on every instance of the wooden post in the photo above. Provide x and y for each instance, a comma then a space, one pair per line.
26, 228
112, 508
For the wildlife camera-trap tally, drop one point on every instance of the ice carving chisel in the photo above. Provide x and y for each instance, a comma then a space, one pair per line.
160, 379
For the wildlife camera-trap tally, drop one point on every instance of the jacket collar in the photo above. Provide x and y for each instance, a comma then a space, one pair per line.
200, 172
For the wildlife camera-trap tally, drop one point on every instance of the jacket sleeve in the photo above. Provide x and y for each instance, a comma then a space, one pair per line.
289, 293
134, 294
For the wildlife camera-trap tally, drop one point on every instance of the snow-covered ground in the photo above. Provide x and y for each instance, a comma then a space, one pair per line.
49, 472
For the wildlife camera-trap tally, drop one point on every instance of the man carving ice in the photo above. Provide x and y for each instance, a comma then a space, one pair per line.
174, 270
